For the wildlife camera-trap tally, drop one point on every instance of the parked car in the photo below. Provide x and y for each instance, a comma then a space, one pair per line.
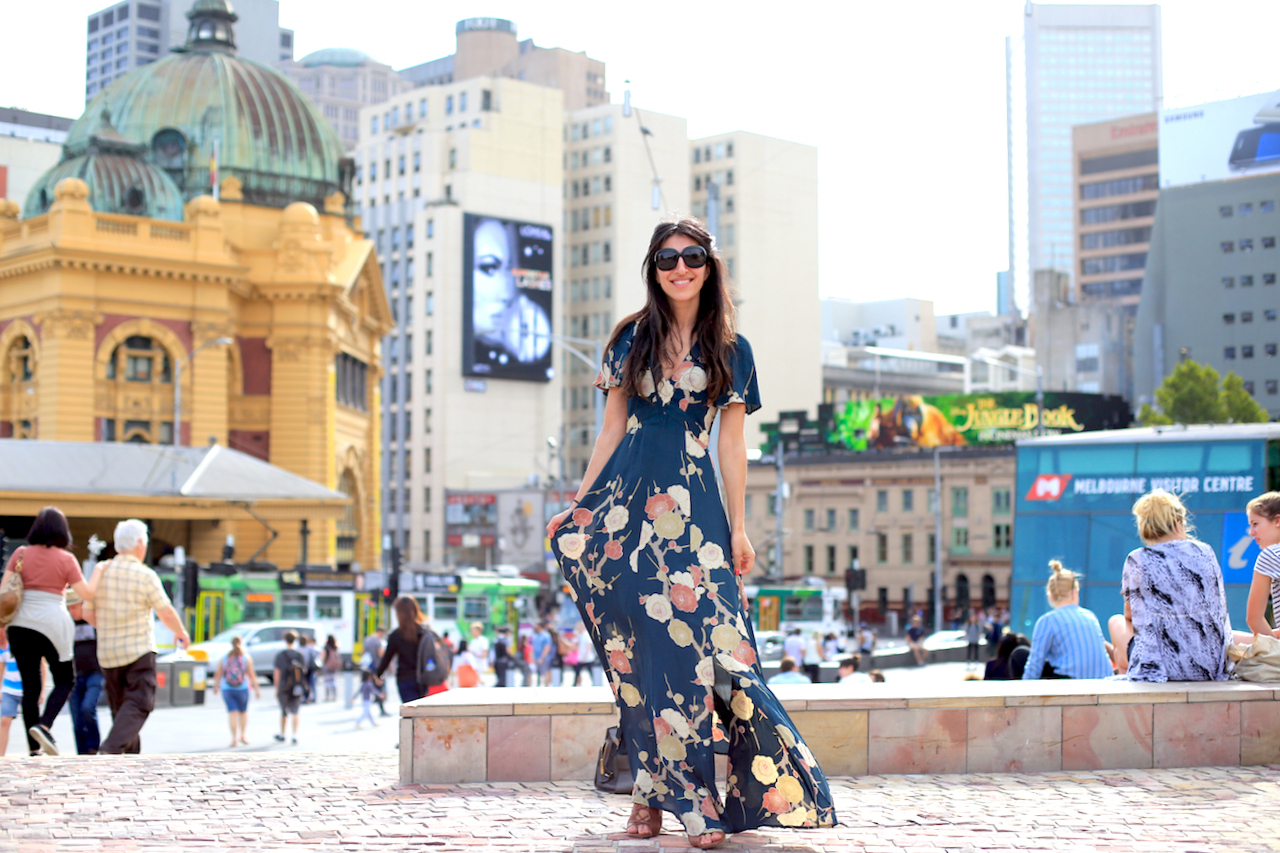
262, 641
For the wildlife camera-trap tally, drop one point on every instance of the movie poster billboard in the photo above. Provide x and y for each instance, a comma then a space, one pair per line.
1220, 140
506, 299
959, 420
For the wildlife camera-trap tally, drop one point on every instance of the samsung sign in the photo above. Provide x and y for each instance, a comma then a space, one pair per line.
1220, 140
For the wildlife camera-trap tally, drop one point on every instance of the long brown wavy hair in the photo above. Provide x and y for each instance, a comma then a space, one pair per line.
714, 329
409, 617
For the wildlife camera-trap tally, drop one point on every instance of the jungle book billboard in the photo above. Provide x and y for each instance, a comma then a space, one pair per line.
970, 419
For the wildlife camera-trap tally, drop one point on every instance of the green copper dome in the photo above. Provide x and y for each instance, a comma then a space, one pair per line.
204, 98
338, 57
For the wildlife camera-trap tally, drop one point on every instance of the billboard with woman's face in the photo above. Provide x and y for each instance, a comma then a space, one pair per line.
506, 299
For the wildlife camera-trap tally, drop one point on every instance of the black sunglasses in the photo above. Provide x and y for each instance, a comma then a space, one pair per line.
666, 259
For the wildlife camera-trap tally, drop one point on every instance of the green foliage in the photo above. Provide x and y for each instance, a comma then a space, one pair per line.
1192, 395
1241, 407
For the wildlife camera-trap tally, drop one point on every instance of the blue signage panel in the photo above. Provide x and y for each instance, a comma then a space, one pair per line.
1238, 550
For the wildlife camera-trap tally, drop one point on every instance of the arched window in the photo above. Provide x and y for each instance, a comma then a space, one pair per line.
349, 525
18, 392
962, 591
139, 377
988, 591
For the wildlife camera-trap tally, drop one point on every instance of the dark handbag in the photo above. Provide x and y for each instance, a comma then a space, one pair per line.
613, 769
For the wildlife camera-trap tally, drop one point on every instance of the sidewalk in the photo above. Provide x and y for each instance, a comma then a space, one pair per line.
296, 801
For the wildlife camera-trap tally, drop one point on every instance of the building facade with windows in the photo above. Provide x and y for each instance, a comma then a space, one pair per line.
875, 510
489, 46
339, 81
1083, 64
486, 147
767, 190
127, 35
1210, 290
126, 286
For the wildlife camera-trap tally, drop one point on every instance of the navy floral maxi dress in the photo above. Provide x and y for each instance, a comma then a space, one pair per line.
646, 556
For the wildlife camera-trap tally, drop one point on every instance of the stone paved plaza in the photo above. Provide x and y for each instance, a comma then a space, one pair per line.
295, 801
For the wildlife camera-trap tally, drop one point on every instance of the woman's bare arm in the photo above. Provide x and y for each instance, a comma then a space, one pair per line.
733, 471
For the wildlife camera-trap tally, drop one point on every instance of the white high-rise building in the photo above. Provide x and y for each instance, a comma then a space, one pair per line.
136, 32
1083, 64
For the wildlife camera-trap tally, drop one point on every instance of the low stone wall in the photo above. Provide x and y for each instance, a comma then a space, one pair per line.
526, 734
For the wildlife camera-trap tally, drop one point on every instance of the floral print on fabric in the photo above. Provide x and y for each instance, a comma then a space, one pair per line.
647, 559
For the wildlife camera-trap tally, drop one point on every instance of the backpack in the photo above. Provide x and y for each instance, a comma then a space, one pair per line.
294, 677
435, 660
332, 660
234, 670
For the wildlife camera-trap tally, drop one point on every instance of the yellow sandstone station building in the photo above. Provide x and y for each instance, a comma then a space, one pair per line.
190, 273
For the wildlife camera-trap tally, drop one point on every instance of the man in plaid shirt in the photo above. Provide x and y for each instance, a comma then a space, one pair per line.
127, 592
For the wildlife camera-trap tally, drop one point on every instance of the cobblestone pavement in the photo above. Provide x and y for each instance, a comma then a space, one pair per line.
351, 803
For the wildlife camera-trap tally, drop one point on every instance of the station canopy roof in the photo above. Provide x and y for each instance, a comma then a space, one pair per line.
151, 471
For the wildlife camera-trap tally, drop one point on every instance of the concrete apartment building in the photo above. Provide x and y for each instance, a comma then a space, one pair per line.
138, 32
1083, 64
875, 510
340, 81
486, 145
489, 46
1210, 289
609, 217
30, 144
489, 146
768, 199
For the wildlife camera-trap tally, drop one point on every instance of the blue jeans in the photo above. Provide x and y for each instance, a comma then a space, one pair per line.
84, 711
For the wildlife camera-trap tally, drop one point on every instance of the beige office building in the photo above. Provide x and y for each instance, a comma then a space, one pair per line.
488, 46
874, 510
491, 143
1117, 178
611, 208
489, 146
766, 224
341, 81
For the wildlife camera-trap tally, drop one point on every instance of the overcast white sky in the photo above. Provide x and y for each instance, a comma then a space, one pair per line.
904, 100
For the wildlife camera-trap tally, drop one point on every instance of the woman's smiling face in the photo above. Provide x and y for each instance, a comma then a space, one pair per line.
1265, 531
682, 284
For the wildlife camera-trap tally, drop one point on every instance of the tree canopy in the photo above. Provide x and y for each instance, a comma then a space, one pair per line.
1191, 394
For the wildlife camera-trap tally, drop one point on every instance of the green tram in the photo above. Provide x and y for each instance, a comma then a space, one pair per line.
336, 602
809, 607
491, 597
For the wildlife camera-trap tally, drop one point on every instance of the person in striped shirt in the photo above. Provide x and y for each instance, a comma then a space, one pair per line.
1264, 528
1067, 641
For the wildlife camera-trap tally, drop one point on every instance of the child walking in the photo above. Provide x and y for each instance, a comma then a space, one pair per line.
368, 695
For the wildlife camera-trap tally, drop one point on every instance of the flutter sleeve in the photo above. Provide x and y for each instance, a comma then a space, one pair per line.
745, 387
610, 375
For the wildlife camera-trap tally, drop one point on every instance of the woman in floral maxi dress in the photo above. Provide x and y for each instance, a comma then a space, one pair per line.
650, 557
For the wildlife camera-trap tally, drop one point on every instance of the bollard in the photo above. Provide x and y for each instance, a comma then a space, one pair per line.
348, 690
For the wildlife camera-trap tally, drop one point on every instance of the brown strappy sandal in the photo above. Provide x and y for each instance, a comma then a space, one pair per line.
644, 822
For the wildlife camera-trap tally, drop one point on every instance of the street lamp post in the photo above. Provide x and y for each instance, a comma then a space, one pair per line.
177, 385
570, 345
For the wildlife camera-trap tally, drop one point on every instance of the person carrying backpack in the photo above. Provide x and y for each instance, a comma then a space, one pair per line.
291, 683
435, 662
234, 677
402, 646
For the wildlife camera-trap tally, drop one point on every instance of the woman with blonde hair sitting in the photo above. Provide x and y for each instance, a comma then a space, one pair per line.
1175, 625
1067, 641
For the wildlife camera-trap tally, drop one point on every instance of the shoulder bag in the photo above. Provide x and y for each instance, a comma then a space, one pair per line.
11, 592
613, 769
1259, 661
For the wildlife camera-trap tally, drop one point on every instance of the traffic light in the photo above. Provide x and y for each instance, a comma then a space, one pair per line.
855, 580
190, 583
392, 591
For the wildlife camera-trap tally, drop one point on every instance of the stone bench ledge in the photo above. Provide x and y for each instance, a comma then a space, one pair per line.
568, 701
